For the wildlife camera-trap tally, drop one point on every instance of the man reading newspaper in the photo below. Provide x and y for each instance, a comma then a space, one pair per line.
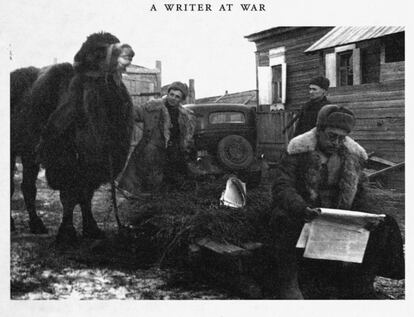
323, 169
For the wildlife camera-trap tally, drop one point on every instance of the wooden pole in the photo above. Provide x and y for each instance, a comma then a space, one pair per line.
191, 91
385, 170
158, 66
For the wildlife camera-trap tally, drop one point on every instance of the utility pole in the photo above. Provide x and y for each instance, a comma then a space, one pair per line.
10, 52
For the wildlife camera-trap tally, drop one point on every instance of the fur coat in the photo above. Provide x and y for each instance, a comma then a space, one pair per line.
144, 170
298, 184
298, 176
154, 114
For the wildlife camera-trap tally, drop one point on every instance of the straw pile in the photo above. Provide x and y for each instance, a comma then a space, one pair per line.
173, 220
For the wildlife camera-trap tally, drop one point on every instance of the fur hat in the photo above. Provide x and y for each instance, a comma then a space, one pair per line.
335, 116
321, 82
177, 85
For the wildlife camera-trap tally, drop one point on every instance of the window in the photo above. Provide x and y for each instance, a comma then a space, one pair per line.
271, 79
227, 117
345, 68
394, 48
277, 84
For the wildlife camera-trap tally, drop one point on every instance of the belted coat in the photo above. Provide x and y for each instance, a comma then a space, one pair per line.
144, 170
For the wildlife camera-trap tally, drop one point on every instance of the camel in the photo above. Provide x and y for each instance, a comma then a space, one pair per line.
76, 121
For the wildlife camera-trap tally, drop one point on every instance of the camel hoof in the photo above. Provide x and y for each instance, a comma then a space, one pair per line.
36, 226
67, 236
93, 233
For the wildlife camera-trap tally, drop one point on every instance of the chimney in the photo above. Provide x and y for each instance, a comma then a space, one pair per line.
191, 91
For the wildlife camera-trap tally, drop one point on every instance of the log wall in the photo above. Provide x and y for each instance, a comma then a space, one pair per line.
379, 107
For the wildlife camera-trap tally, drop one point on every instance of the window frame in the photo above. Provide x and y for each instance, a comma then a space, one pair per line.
348, 69
227, 113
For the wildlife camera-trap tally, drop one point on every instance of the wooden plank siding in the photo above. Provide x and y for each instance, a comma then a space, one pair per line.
380, 112
300, 67
392, 71
379, 107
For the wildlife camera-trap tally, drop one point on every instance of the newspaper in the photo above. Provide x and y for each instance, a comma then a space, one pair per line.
337, 235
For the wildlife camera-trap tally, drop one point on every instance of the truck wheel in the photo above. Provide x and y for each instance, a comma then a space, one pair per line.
235, 152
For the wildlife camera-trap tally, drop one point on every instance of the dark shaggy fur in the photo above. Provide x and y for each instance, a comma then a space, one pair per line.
84, 116
21, 81
91, 131
21, 140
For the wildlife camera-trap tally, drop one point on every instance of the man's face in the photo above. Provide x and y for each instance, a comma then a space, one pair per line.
316, 92
124, 59
174, 97
331, 139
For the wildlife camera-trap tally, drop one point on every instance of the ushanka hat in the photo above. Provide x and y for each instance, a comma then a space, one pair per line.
177, 85
337, 117
321, 82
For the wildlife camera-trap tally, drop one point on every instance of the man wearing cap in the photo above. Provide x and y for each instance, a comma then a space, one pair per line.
167, 139
318, 88
323, 169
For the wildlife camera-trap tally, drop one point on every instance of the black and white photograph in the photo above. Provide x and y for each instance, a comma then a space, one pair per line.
215, 158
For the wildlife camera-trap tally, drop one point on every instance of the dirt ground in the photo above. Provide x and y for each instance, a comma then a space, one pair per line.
39, 270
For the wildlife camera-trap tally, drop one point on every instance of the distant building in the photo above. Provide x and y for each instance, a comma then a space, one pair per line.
366, 68
248, 97
143, 83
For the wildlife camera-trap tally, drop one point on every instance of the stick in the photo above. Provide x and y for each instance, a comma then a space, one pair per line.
385, 170
113, 192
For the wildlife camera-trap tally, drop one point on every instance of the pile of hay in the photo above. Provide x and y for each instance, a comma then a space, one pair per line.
173, 220
169, 222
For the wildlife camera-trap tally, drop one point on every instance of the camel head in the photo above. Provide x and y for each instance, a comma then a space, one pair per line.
99, 53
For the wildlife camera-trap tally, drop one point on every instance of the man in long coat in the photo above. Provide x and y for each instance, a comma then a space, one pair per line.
165, 144
323, 168
318, 88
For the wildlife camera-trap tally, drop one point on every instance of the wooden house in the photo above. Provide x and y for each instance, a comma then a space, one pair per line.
143, 83
365, 66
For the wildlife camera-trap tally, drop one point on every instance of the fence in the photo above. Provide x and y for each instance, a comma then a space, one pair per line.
272, 135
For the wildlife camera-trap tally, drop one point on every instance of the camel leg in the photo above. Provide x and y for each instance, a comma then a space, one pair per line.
12, 170
89, 226
30, 172
67, 233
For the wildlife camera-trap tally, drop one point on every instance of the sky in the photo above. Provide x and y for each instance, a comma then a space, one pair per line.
208, 47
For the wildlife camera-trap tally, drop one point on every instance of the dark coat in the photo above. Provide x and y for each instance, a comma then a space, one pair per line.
297, 186
308, 115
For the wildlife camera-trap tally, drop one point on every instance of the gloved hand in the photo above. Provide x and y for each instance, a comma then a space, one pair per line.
373, 224
311, 213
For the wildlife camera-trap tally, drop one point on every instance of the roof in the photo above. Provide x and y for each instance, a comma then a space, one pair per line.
136, 69
248, 97
218, 107
269, 32
342, 35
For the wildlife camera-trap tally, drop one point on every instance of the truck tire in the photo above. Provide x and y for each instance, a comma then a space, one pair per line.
235, 152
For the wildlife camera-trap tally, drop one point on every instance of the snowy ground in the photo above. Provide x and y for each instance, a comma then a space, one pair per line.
40, 271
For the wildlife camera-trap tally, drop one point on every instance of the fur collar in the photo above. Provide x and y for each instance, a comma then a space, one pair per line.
307, 142
160, 104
